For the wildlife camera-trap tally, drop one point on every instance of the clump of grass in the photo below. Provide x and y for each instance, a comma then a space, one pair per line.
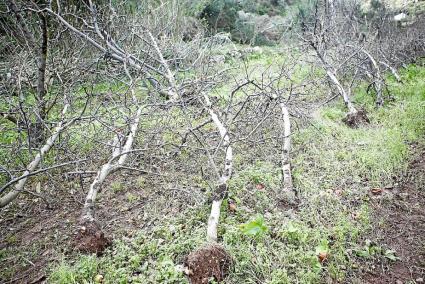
83, 270
117, 186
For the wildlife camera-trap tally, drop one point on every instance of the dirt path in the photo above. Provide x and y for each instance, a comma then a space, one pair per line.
399, 224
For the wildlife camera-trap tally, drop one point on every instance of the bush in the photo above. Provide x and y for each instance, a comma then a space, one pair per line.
225, 16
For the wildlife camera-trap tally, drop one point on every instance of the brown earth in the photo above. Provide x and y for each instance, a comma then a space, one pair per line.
399, 224
91, 238
356, 119
206, 263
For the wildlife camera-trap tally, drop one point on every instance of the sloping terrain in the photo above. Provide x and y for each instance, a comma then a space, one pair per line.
356, 219
400, 225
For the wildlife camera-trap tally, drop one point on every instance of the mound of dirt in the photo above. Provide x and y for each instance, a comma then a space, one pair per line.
91, 239
209, 262
356, 119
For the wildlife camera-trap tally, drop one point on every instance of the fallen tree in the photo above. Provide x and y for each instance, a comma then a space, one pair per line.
19, 187
212, 260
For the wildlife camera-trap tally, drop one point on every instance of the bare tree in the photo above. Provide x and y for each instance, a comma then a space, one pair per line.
20, 183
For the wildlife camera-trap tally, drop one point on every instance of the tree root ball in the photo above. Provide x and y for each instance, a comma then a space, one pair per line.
207, 263
91, 239
356, 119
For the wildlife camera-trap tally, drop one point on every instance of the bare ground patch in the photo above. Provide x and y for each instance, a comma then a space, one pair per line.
399, 224
33, 236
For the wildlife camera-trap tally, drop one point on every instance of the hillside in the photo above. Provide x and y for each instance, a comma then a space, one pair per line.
212, 142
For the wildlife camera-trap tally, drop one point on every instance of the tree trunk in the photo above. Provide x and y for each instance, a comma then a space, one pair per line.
90, 237
331, 75
38, 131
286, 157
393, 71
221, 190
379, 81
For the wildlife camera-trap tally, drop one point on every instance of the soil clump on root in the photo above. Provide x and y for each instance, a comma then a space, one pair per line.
91, 239
356, 119
207, 263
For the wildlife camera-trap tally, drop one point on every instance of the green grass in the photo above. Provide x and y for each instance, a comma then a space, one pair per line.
334, 168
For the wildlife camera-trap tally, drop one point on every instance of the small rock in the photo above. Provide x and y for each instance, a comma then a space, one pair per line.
98, 278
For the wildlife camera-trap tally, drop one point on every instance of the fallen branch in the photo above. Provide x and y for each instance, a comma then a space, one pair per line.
90, 237
109, 167
15, 180
212, 261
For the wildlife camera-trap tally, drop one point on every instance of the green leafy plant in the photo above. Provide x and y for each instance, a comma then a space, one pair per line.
371, 249
255, 228
116, 186
295, 233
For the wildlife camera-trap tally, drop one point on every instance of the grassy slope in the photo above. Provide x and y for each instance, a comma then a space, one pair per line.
334, 169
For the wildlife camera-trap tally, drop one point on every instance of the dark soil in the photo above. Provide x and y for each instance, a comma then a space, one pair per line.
33, 236
91, 239
209, 262
400, 226
356, 119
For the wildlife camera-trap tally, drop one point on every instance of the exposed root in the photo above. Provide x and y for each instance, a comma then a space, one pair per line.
207, 263
356, 119
91, 239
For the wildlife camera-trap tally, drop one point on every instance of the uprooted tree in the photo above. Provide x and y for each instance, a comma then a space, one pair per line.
351, 45
163, 100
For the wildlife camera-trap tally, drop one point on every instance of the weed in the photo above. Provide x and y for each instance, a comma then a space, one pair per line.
141, 182
117, 186
83, 271
132, 198
256, 228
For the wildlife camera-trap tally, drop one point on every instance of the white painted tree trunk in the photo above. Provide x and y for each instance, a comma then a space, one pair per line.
393, 71
286, 157
342, 92
331, 75
10, 196
168, 75
221, 190
379, 80
213, 220
120, 154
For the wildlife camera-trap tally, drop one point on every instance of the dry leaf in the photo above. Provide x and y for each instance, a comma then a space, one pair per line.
323, 256
259, 186
376, 191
